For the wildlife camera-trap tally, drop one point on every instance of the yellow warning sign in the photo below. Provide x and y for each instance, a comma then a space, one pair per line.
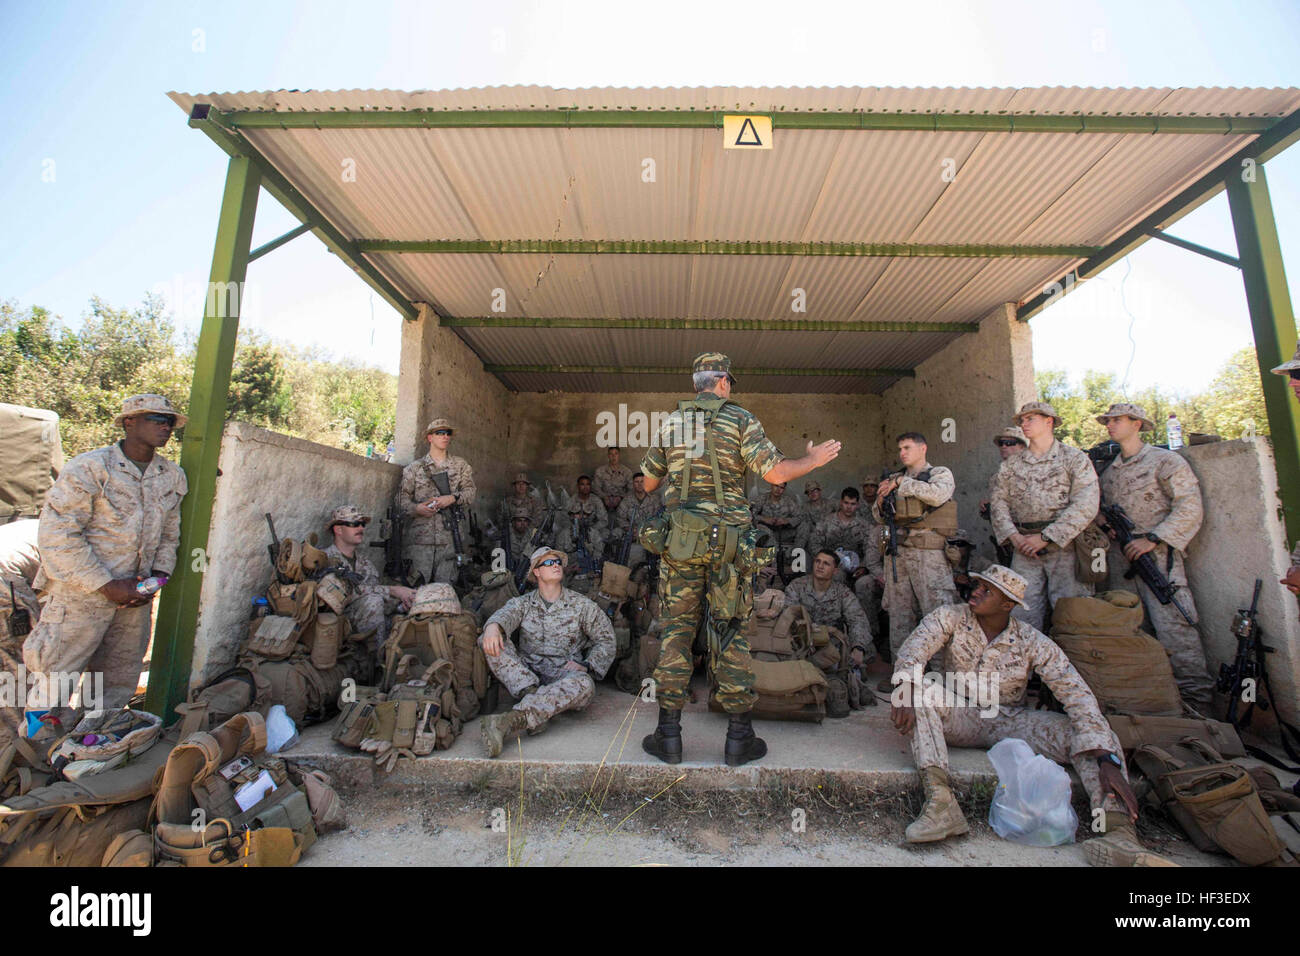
746, 132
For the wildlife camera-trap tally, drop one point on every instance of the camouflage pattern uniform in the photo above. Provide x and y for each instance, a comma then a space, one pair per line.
1054, 495
859, 536
1159, 493
630, 510
811, 515
20, 561
428, 541
371, 604
593, 515
836, 607
1012, 655
684, 585
530, 503
924, 575
571, 629
783, 507
612, 481
102, 520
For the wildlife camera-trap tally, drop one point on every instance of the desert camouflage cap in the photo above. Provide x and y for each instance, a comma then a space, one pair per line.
520, 511
1292, 366
541, 554
435, 599
1037, 408
347, 513
713, 362
871, 480
521, 476
1011, 431
1005, 580
811, 486
1132, 411
438, 423
146, 403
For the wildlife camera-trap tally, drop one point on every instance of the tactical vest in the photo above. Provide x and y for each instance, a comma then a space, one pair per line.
915, 515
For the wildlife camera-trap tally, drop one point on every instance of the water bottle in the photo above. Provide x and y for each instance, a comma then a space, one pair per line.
150, 585
261, 606
1174, 432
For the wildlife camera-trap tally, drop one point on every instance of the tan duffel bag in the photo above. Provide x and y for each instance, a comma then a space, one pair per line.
787, 690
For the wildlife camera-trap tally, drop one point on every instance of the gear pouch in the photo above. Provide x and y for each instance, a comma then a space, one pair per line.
688, 535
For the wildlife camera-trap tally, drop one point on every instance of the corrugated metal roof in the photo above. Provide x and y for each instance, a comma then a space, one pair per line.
947, 187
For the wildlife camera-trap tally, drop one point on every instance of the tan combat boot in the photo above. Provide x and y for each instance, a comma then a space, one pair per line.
941, 817
1119, 846
496, 728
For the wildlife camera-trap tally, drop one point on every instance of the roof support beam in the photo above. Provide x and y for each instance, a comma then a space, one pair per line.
688, 247
178, 606
1200, 250
1256, 153
681, 370
712, 119
209, 121
709, 325
277, 242
1271, 317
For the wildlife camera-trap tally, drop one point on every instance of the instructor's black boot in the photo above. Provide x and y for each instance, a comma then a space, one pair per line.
742, 745
666, 742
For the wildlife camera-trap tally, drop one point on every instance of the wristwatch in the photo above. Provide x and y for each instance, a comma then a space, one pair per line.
1111, 758
1152, 538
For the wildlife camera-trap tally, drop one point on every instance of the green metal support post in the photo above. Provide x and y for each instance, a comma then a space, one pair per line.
178, 607
1274, 325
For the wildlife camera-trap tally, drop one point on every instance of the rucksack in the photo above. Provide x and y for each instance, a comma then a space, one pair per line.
437, 636
414, 718
1217, 803
1128, 671
787, 690
793, 636
309, 694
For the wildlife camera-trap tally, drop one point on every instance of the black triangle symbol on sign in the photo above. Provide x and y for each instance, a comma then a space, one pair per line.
753, 140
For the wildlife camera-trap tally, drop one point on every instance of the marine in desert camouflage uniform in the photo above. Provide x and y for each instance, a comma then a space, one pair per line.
587, 513
1161, 496
918, 579
372, 603
830, 602
850, 529
816, 506
779, 512
612, 482
1010, 441
112, 518
428, 541
522, 498
637, 508
565, 644
522, 534
723, 557
1041, 499
995, 655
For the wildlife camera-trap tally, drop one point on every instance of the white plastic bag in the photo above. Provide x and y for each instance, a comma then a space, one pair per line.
1032, 803
281, 734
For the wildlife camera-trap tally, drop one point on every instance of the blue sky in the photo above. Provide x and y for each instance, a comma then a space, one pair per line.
133, 202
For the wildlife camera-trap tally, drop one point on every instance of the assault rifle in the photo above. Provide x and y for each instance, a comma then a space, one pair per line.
451, 520
273, 551
578, 534
1247, 671
1144, 567
505, 544
545, 533
20, 619
396, 567
1102, 454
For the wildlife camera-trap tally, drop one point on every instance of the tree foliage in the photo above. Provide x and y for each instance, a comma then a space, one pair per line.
84, 373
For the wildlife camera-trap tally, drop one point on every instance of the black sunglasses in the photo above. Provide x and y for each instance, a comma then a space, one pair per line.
1295, 374
157, 418
352, 524
1007, 443
442, 431
550, 562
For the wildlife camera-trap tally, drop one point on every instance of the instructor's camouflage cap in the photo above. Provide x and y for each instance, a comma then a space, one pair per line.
346, 513
713, 362
1040, 408
439, 423
435, 599
1132, 411
1011, 431
1291, 366
146, 403
1005, 580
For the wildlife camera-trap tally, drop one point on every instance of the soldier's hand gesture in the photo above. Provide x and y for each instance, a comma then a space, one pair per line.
824, 453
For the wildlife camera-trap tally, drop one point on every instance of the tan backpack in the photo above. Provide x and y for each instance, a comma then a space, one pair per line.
787, 690
437, 636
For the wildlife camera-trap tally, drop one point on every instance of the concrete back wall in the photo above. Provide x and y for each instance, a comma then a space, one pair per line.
979, 381
1241, 539
299, 483
553, 435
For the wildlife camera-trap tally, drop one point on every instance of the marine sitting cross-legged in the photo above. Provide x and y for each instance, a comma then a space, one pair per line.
987, 657
564, 640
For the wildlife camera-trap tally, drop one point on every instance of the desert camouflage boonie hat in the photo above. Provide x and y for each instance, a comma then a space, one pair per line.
438, 423
811, 486
519, 511
541, 554
1286, 368
1037, 408
435, 599
146, 403
713, 362
1011, 431
522, 476
1132, 411
1005, 580
346, 513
